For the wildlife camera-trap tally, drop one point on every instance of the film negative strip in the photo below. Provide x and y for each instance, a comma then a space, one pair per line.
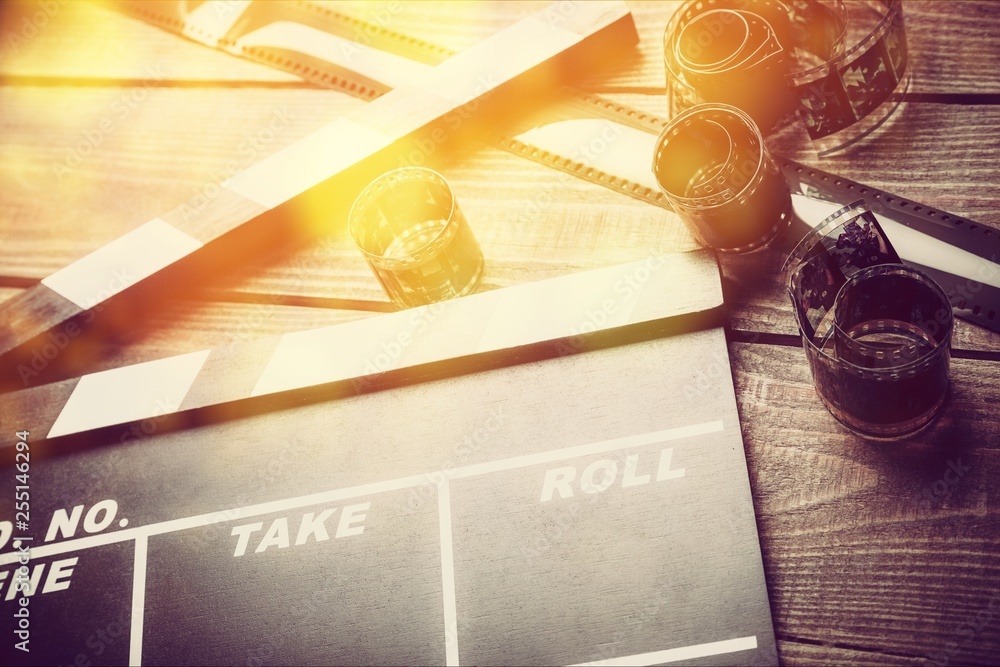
848, 241
777, 58
319, 44
553, 317
877, 333
961, 255
605, 143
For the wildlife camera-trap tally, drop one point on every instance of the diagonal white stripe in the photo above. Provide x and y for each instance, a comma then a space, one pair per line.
121, 263
680, 653
307, 163
130, 393
482, 67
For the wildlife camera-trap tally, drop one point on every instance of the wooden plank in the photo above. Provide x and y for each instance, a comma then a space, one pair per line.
324, 170
84, 41
888, 548
792, 652
76, 181
9, 292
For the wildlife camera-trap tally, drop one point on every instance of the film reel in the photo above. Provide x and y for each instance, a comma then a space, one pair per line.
877, 333
712, 165
777, 59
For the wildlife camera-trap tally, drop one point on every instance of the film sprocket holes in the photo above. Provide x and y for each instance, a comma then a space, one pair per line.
712, 165
877, 333
778, 58
413, 235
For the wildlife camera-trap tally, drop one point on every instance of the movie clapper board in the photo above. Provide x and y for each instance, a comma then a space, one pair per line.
551, 473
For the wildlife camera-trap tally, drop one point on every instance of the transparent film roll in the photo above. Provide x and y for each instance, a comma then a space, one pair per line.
409, 227
840, 67
712, 165
877, 333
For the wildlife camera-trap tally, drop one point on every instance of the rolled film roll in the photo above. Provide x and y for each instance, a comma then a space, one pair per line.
778, 58
877, 333
409, 227
711, 164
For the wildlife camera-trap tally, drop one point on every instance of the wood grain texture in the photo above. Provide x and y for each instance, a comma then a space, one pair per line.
890, 548
961, 58
111, 164
86, 41
815, 655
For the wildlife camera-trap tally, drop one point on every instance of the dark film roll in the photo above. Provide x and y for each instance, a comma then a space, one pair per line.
713, 167
778, 58
877, 333
734, 57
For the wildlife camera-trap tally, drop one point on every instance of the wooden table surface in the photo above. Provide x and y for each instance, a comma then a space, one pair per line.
874, 554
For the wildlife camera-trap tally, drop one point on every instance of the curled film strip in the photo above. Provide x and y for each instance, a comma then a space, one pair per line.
877, 333
960, 254
778, 58
711, 163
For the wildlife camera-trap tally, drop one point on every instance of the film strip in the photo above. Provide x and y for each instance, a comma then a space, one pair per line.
553, 317
848, 241
962, 255
779, 58
877, 333
309, 40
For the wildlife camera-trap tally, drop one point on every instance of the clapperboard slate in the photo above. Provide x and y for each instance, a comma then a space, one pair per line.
570, 488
